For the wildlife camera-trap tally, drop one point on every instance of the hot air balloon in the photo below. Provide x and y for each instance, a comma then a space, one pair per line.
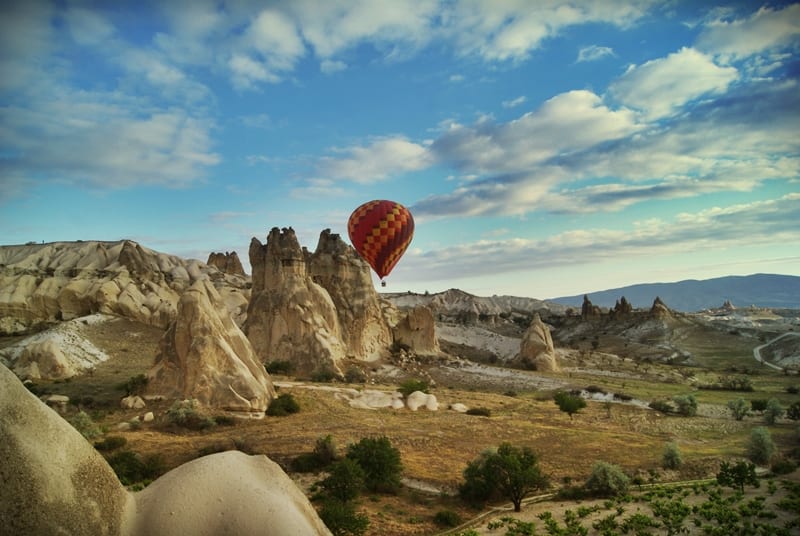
381, 231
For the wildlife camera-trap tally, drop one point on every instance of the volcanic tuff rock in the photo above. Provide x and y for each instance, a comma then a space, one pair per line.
536, 349
205, 356
227, 262
65, 280
417, 329
55, 482
659, 309
588, 310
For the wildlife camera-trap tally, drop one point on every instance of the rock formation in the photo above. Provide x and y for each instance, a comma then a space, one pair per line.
622, 308
588, 310
227, 262
205, 356
55, 482
65, 280
338, 269
536, 349
417, 329
659, 310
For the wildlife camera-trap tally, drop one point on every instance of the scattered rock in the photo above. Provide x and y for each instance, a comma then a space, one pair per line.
132, 402
459, 407
57, 402
148, 417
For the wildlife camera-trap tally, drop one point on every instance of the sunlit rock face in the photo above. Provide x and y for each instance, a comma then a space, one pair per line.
205, 356
536, 349
227, 262
417, 329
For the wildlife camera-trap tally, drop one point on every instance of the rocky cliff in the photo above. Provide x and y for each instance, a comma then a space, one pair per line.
66, 280
227, 262
205, 356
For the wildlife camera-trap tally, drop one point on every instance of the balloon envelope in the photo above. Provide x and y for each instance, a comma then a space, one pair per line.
381, 231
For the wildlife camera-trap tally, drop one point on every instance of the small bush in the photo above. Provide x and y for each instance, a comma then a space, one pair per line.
282, 406
323, 455
110, 443
84, 424
353, 374
760, 448
282, 367
783, 466
607, 480
186, 414
447, 518
758, 404
380, 462
661, 405
135, 385
341, 518
482, 412
324, 375
671, 458
412, 385
686, 404
131, 468
345, 481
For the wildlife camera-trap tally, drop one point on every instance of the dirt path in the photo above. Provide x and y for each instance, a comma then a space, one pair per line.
757, 349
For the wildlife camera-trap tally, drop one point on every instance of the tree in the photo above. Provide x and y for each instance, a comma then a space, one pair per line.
511, 471
773, 411
761, 448
671, 458
793, 412
569, 404
380, 462
736, 476
739, 408
687, 405
341, 518
345, 481
607, 480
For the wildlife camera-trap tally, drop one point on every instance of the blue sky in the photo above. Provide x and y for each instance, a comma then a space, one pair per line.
545, 148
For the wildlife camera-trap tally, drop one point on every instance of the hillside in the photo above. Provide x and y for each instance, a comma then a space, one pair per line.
761, 290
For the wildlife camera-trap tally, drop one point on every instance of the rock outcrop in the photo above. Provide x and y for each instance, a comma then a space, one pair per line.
536, 349
338, 269
314, 309
65, 280
227, 262
205, 356
55, 482
659, 310
589, 310
622, 308
417, 329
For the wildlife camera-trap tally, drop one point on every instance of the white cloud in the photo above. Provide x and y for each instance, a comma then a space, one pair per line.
377, 161
766, 29
594, 53
247, 71
455, 78
25, 41
513, 103
88, 27
331, 66
659, 87
317, 189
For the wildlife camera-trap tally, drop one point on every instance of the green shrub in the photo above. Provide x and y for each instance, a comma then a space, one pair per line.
569, 403
186, 414
758, 404
739, 408
686, 405
282, 406
323, 455
773, 411
380, 462
84, 424
760, 448
110, 443
323, 375
482, 412
661, 405
671, 458
341, 518
353, 374
282, 367
135, 385
131, 468
412, 385
345, 481
607, 480
447, 518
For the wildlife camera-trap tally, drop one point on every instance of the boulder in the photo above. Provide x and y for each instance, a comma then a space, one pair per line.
205, 356
418, 399
57, 402
459, 407
132, 402
53, 480
536, 348
226, 493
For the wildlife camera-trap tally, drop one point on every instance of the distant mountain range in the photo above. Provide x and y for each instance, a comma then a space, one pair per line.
761, 290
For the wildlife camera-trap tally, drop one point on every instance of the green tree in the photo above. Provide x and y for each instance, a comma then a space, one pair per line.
773, 411
793, 411
345, 481
760, 448
736, 476
568, 403
341, 518
607, 480
380, 461
479, 484
739, 408
282, 406
687, 405
671, 457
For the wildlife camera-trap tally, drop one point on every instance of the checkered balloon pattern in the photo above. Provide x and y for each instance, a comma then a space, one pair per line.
381, 231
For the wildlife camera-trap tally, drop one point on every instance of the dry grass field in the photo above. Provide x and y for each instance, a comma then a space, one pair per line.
436, 446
